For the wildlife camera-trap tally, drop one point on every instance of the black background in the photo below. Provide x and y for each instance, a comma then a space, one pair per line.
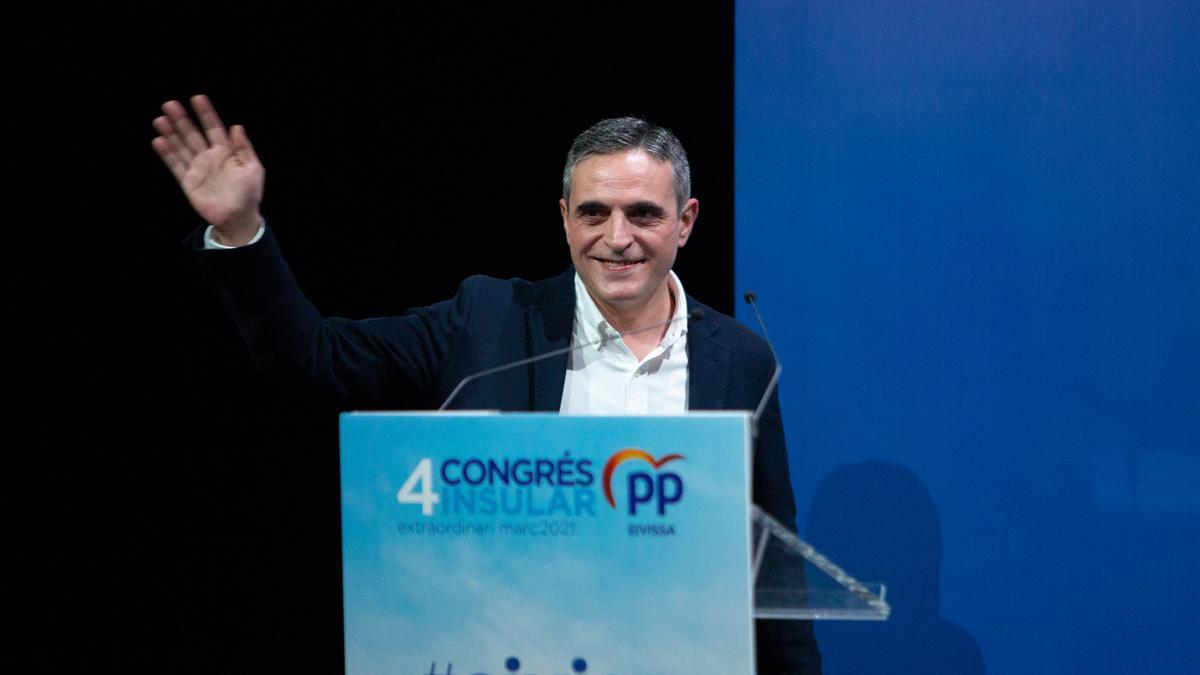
181, 513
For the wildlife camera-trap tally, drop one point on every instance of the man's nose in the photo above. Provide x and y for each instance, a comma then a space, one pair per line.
619, 232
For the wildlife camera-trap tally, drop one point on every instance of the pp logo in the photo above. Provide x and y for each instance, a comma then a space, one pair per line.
659, 488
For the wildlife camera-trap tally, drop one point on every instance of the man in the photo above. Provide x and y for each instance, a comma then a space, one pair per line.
626, 210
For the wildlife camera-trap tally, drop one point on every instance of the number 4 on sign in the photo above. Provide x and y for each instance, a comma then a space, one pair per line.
418, 488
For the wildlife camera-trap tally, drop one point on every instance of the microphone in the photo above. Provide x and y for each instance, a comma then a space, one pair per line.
693, 315
749, 297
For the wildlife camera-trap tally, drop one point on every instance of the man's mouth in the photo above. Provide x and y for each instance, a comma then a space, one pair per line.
615, 264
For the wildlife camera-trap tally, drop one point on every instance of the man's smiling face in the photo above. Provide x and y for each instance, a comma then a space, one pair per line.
624, 229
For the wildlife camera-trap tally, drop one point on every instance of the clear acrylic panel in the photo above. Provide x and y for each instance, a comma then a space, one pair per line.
792, 580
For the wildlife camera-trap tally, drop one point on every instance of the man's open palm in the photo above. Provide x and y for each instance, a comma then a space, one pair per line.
218, 170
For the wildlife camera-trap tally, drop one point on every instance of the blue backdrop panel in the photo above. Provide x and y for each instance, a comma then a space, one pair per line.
973, 229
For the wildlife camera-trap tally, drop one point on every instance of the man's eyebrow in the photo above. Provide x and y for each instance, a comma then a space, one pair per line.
590, 207
646, 208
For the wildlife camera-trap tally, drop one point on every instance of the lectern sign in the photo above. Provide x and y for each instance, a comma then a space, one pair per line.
482, 544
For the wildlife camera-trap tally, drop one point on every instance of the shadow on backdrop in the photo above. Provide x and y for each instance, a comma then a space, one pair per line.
878, 521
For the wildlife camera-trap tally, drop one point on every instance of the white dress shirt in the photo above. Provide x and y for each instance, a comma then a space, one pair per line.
607, 379
210, 243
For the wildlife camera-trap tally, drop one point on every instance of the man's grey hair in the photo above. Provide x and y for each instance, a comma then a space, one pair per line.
618, 134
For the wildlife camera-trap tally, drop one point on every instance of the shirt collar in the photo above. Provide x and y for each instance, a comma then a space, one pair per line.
595, 327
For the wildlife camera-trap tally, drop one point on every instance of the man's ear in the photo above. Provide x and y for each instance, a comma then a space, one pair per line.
562, 209
687, 218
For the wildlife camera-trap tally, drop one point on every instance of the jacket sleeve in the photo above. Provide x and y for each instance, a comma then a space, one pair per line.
391, 362
784, 647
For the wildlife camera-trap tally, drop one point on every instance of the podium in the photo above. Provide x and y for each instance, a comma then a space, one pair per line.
482, 544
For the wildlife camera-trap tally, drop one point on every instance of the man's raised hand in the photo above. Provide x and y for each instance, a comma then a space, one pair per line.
218, 171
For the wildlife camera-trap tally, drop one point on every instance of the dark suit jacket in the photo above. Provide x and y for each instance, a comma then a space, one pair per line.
415, 360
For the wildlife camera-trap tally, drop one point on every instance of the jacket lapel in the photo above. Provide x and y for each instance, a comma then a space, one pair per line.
708, 362
551, 321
